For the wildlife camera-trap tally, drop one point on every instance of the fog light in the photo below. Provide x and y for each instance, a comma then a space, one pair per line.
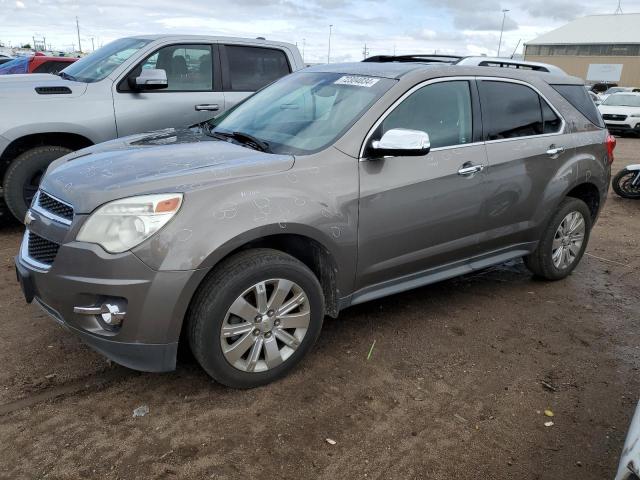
108, 312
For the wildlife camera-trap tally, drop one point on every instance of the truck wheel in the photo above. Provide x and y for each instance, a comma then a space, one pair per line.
255, 317
23, 177
563, 242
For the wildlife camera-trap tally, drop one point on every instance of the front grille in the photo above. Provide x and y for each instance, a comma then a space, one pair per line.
615, 117
55, 206
42, 250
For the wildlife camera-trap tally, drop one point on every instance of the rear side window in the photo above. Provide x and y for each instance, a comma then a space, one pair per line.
577, 96
251, 68
51, 66
512, 110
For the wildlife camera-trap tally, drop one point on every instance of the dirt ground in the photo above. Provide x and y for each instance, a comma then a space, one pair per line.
453, 388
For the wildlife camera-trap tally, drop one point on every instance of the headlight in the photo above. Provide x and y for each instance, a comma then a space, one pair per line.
120, 225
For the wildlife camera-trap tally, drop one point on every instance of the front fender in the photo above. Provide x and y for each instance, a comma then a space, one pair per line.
633, 168
320, 203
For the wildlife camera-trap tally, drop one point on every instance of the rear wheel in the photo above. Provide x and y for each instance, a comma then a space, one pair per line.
563, 242
23, 177
255, 317
623, 183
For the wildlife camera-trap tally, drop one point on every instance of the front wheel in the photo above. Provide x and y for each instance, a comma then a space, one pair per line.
255, 317
23, 177
563, 241
626, 183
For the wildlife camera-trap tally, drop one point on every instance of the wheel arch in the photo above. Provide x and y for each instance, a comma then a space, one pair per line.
590, 194
303, 246
18, 146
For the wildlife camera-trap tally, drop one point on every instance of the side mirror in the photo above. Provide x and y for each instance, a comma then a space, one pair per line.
151, 79
401, 142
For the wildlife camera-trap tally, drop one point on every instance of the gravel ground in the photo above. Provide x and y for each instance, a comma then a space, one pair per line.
455, 387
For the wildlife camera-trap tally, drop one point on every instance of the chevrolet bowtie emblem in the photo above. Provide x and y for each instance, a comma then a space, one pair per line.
29, 218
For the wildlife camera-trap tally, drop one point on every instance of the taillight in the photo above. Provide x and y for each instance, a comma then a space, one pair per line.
610, 142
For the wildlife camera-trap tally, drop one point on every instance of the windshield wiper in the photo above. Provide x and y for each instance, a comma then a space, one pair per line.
245, 139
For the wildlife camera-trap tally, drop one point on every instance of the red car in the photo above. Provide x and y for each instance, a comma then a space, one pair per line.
38, 63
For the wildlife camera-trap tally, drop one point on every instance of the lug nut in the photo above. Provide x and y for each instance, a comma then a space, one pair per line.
267, 335
258, 319
276, 322
271, 313
256, 332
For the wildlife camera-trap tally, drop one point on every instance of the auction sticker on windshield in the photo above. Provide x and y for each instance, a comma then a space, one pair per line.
357, 81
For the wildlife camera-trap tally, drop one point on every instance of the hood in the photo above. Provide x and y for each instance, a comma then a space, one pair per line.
23, 86
165, 161
619, 110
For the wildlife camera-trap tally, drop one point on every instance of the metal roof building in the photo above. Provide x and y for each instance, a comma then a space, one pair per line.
596, 48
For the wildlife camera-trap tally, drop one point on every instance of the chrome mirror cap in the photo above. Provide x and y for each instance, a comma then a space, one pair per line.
402, 142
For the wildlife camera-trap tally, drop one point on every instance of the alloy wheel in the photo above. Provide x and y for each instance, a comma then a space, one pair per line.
568, 239
265, 325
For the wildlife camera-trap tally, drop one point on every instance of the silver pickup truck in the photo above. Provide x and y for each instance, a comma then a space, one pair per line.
131, 85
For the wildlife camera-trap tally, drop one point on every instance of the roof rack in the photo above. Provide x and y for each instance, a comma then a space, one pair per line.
470, 61
414, 58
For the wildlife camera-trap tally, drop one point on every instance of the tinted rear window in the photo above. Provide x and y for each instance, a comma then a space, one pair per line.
251, 68
509, 110
577, 96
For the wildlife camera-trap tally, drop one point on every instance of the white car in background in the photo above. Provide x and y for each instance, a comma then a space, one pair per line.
610, 91
629, 468
621, 113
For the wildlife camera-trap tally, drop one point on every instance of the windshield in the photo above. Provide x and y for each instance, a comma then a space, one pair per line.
17, 65
303, 112
103, 61
622, 100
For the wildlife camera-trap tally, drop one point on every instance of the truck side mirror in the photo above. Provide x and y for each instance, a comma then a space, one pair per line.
151, 79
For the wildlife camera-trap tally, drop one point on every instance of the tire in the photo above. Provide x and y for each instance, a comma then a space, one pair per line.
542, 261
237, 279
618, 185
23, 176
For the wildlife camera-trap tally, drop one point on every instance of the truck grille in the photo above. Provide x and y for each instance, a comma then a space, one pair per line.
55, 206
41, 249
614, 117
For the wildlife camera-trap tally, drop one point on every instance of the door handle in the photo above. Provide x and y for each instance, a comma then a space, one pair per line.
469, 169
207, 107
553, 150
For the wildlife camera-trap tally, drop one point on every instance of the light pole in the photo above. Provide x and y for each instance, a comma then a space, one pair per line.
304, 41
329, 51
504, 15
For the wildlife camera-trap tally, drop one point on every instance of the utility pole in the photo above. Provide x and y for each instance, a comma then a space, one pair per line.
78, 29
329, 51
504, 15
365, 52
93, 47
304, 41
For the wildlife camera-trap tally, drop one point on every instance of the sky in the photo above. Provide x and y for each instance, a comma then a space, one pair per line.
465, 27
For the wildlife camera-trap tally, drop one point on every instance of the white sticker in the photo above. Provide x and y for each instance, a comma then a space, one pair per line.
357, 81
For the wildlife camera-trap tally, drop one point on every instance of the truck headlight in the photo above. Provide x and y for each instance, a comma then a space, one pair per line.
120, 225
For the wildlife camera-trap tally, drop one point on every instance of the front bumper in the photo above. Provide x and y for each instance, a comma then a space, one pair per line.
84, 275
630, 125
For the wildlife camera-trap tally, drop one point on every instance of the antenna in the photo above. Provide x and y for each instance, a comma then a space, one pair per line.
619, 9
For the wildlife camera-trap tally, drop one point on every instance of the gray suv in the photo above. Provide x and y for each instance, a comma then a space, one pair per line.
336, 185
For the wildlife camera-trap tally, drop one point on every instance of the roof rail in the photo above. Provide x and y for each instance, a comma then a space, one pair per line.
469, 61
418, 58
510, 63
